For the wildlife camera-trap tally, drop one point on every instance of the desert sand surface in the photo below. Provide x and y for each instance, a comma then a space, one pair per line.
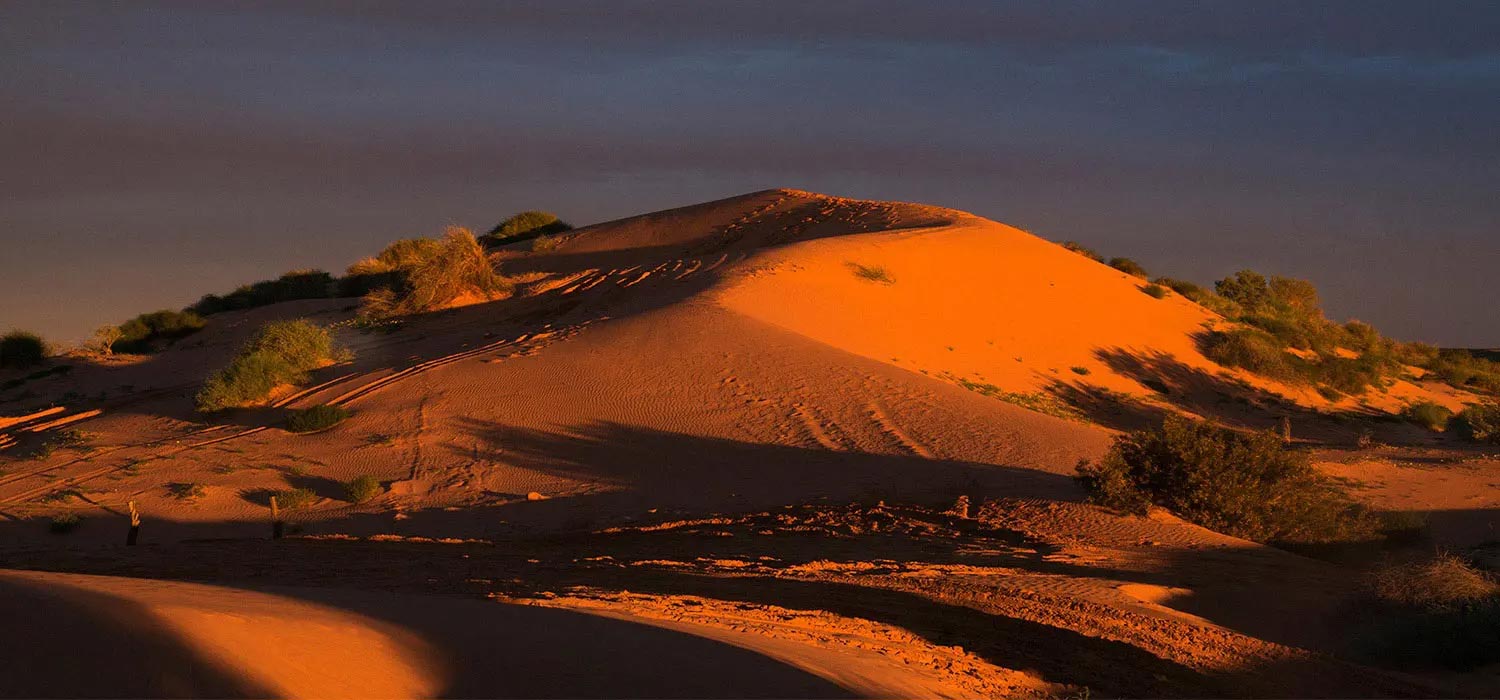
823, 446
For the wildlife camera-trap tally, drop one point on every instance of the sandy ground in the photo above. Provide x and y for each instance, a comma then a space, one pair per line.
709, 367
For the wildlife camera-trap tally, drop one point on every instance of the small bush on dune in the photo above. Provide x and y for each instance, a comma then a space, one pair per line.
21, 349
1442, 613
64, 524
1251, 349
1083, 250
1465, 370
427, 274
1155, 291
1478, 422
1129, 267
1249, 486
362, 489
873, 273
525, 225
1432, 416
316, 418
151, 331
282, 352
294, 499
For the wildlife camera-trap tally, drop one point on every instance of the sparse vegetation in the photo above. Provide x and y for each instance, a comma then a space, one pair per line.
294, 499
151, 332
525, 225
1154, 291
1429, 415
282, 352
544, 244
1441, 613
1080, 371
1041, 402
64, 524
362, 489
1478, 422
1247, 485
316, 418
20, 349
297, 284
873, 273
1083, 250
1129, 267
186, 491
423, 274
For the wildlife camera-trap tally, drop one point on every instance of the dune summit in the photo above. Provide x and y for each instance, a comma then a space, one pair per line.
830, 442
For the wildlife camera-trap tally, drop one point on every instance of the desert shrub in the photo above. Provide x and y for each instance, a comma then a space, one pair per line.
293, 499
315, 418
1251, 349
1441, 613
1155, 291
64, 524
1465, 370
281, 352
525, 225
1432, 416
297, 284
544, 244
1183, 287
362, 489
1080, 371
186, 491
873, 273
1478, 422
1202, 297
1128, 266
427, 274
151, 331
21, 349
1083, 250
1247, 288
1247, 485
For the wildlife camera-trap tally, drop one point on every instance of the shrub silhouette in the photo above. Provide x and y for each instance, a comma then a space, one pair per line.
1083, 250
1155, 291
1128, 266
424, 274
873, 273
1246, 485
1432, 416
526, 225
297, 284
362, 489
1478, 422
152, 331
293, 499
64, 524
282, 352
316, 418
21, 349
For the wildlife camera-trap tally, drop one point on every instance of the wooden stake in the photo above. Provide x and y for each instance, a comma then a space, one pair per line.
277, 527
135, 525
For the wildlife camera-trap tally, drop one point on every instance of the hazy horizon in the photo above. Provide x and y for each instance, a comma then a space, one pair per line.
156, 153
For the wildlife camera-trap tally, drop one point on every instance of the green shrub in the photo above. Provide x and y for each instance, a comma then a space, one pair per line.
297, 284
362, 489
1083, 250
1155, 291
151, 331
1479, 422
1432, 416
293, 499
21, 349
1128, 266
1247, 288
545, 244
315, 418
1251, 349
525, 225
282, 352
1249, 486
64, 524
426, 274
1464, 370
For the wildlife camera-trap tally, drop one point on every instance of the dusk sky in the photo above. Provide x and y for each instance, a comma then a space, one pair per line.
153, 153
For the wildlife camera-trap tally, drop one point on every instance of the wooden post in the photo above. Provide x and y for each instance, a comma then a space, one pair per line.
277, 527
135, 526
1286, 429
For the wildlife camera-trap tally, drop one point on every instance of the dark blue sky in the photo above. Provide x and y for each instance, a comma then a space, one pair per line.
153, 153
